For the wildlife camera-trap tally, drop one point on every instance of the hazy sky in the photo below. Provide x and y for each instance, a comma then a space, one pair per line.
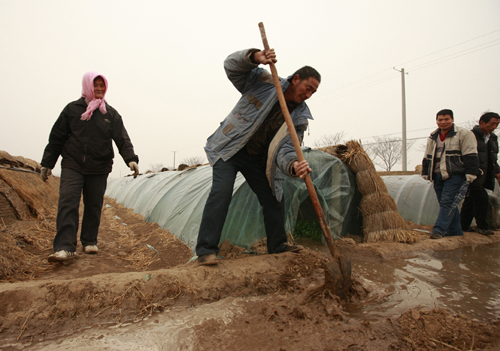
164, 64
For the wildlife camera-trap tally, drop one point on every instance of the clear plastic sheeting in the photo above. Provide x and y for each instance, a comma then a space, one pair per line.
176, 199
415, 198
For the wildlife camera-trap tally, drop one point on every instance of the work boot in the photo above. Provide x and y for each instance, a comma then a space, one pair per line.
487, 232
436, 235
90, 249
293, 248
62, 255
207, 259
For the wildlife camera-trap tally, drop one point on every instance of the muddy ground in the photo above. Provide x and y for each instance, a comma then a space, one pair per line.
139, 293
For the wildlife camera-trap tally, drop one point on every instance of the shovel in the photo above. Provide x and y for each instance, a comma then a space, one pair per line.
338, 271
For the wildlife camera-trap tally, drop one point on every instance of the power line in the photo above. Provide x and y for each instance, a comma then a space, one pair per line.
411, 131
449, 47
415, 68
455, 55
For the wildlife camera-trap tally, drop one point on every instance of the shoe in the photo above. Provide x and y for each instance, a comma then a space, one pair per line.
487, 232
207, 259
293, 248
62, 255
90, 249
436, 235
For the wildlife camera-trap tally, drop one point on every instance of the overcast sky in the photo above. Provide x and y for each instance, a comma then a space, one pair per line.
164, 64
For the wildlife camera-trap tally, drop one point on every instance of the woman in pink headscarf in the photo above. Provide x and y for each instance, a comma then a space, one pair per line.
83, 136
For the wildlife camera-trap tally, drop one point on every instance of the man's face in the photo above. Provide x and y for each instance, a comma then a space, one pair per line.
301, 90
99, 88
489, 127
444, 122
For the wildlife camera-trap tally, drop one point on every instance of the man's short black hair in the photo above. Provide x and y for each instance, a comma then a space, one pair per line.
444, 113
307, 72
486, 117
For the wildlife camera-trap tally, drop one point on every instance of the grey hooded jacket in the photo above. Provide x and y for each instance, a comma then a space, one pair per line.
258, 95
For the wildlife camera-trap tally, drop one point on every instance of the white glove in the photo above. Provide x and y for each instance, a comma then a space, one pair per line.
134, 167
425, 177
45, 173
470, 177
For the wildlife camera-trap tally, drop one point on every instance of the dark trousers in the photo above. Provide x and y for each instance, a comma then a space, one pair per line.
475, 205
448, 224
72, 185
217, 205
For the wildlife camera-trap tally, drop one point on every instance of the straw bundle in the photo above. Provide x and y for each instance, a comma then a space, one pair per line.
376, 203
369, 183
381, 219
384, 220
356, 158
392, 235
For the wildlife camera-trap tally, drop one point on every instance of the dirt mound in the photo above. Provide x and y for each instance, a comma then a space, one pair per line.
140, 288
438, 329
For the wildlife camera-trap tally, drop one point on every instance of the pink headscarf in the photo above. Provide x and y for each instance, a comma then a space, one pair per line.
88, 94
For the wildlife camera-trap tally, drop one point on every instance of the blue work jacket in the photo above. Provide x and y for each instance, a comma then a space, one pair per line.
258, 96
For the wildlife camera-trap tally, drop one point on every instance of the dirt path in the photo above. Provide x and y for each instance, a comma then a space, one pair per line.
139, 292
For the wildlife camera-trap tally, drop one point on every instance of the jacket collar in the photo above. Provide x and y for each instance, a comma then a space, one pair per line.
81, 101
476, 130
451, 133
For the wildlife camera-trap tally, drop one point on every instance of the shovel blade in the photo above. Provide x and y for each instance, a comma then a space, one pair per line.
338, 277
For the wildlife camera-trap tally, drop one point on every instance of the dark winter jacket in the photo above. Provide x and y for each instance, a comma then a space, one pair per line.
459, 154
488, 156
86, 146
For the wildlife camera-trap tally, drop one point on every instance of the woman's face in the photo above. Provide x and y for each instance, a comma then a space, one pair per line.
99, 88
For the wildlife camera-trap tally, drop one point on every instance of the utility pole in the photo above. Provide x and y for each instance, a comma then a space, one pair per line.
174, 157
403, 146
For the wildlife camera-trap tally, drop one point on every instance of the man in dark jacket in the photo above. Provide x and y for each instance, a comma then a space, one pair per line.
83, 135
476, 204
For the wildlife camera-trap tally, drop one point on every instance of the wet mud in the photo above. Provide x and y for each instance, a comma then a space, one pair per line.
131, 297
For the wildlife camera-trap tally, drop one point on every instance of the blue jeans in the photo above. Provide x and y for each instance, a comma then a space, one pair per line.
448, 224
214, 214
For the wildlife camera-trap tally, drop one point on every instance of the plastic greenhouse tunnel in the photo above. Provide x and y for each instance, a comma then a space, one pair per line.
176, 199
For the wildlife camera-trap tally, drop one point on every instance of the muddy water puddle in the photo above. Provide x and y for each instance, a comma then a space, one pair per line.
465, 280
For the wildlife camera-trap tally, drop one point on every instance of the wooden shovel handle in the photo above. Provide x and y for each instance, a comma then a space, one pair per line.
296, 144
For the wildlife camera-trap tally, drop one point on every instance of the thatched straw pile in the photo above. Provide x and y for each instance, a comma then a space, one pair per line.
381, 219
22, 187
24, 197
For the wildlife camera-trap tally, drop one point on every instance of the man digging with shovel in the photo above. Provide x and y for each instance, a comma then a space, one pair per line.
253, 140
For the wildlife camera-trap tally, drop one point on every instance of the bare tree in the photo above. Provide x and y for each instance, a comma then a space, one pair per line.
329, 140
385, 152
195, 160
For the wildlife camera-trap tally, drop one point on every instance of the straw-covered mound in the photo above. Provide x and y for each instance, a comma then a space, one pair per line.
24, 197
22, 191
381, 220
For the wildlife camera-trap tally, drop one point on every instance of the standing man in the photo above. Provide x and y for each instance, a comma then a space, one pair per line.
476, 204
83, 135
450, 159
254, 140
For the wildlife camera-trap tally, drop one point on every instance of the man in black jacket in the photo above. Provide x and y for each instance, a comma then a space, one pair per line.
476, 204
